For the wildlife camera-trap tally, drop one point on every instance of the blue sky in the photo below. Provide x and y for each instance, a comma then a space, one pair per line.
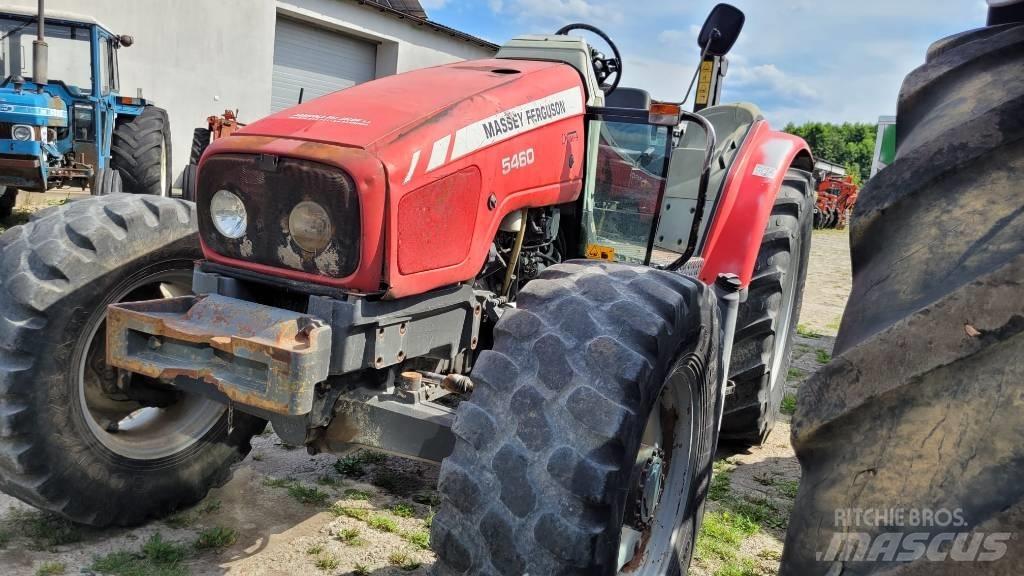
799, 60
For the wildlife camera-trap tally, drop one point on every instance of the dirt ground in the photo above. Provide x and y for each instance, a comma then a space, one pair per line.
286, 512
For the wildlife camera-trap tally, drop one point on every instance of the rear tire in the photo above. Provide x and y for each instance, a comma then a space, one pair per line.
8, 198
188, 182
59, 450
547, 444
200, 140
141, 151
920, 408
767, 320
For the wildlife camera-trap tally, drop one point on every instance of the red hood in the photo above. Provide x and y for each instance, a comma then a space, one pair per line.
364, 114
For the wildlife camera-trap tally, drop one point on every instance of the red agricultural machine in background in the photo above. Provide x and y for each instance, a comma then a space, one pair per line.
217, 127
836, 195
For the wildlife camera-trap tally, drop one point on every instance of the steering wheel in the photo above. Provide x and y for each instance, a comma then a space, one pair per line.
603, 67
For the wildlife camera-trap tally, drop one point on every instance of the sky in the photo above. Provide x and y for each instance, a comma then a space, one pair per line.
799, 60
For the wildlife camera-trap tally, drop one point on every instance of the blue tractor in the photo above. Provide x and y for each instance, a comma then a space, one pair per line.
63, 121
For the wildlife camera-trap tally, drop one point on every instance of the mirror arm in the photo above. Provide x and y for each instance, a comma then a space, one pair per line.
710, 143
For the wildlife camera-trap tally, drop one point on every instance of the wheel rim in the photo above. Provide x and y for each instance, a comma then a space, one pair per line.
661, 481
164, 189
127, 428
784, 320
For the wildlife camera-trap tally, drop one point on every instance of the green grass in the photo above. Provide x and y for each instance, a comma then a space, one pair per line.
43, 529
403, 510
350, 466
387, 480
278, 482
188, 518
722, 533
720, 481
156, 558
822, 356
429, 520
426, 498
351, 537
353, 494
308, 494
788, 404
315, 549
403, 560
328, 480
807, 331
739, 567
794, 374
326, 562
216, 538
382, 523
361, 514
788, 488
418, 538
360, 570
371, 457
51, 569
760, 511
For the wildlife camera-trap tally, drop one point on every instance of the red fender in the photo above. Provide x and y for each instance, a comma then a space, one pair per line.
738, 222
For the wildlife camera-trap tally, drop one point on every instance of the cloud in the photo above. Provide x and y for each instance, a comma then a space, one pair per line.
547, 11
676, 37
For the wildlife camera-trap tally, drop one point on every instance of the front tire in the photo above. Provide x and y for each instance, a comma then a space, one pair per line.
556, 446
141, 151
767, 320
72, 443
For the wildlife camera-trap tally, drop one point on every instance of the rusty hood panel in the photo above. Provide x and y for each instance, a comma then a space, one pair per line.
255, 355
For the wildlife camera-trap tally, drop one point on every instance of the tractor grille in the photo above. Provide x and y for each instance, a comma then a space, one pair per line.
270, 187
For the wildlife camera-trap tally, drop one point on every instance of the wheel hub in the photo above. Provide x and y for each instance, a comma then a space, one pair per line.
650, 488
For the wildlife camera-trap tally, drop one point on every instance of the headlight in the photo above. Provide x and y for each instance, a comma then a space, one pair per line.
21, 132
228, 214
310, 226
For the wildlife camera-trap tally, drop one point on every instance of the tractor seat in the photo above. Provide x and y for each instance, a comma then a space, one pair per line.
732, 123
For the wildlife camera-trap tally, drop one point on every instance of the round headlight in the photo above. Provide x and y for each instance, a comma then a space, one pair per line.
310, 226
21, 132
228, 213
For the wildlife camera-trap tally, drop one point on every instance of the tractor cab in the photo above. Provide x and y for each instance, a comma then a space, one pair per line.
58, 99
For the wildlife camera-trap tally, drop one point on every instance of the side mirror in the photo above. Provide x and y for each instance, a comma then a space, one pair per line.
721, 30
126, 40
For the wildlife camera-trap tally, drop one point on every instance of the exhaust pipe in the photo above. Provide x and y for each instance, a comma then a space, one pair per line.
39, 56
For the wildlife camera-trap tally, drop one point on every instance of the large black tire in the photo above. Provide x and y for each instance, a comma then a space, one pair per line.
141, 151
546, 447
8, 197
57, 273
106, 181
188, 182
767, 320
200, 140
921, 407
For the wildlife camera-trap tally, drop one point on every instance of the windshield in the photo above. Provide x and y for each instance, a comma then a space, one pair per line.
625, 184
68, 51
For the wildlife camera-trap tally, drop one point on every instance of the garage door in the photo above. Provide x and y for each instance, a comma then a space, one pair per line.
317, 61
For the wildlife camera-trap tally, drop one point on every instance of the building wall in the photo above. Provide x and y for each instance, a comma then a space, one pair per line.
199, 57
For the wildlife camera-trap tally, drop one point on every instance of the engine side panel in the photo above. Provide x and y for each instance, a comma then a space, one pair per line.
738, 221
519, 144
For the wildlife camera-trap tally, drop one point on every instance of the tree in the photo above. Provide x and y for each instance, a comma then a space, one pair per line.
849, 144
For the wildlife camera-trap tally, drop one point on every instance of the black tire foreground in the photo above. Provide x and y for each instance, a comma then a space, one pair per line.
921, 409
546, 445
136, 149
55, 274
779, 275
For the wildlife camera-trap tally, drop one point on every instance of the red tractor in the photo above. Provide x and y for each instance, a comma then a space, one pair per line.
836, 196
510, 266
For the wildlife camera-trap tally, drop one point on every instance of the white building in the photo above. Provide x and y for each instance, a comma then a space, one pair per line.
197, 58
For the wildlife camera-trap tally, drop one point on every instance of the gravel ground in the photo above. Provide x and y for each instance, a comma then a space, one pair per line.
276, 534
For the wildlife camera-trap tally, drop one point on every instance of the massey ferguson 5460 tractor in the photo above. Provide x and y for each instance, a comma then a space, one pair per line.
511, 266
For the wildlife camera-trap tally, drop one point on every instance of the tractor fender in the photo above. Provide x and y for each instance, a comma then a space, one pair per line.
738, 221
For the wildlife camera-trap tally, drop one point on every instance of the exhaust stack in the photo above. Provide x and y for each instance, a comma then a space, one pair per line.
39, 56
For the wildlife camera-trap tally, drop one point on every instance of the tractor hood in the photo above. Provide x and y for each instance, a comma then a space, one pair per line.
33, 108
384, 110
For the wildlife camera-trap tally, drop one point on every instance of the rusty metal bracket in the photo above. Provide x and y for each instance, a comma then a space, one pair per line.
253, 354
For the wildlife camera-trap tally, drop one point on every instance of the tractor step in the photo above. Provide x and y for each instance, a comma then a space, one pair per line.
255, 355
